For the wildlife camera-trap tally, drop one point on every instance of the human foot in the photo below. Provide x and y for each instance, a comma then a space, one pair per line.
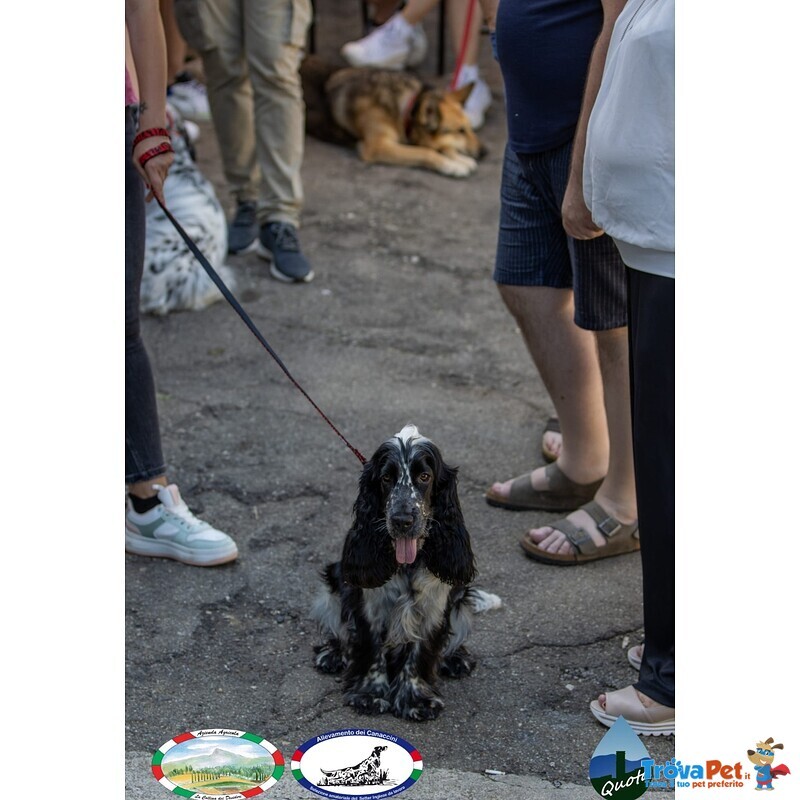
635, 656
644, 715
551, 440
588, 534
547, 488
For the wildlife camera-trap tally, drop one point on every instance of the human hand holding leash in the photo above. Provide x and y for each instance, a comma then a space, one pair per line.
153, 156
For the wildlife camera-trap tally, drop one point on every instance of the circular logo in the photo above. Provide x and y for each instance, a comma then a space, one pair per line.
217, 764
356, 763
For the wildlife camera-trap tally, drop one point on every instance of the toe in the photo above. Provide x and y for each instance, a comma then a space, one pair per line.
550, 540
551, 444
501, 489
538, 535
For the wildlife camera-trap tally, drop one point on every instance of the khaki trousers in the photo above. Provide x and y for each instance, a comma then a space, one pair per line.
251, 51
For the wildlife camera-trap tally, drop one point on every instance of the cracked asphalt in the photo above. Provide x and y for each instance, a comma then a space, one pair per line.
402, 324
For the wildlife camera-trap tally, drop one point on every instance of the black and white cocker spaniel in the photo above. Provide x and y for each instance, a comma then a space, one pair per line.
397, 608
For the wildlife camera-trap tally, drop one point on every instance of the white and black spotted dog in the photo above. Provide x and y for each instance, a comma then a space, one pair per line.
366, 773
397, 607
173, 279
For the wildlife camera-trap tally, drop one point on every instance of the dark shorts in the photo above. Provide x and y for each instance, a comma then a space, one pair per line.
534, 250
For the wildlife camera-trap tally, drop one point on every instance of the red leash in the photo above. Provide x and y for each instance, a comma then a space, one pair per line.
462, 51
226, 293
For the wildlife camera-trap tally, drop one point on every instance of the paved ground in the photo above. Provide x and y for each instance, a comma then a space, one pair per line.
402, 324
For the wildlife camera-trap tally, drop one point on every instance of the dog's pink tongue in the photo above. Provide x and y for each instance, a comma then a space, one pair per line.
405, 550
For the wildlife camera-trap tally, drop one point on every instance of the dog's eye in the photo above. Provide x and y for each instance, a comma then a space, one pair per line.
424, 477
386, 478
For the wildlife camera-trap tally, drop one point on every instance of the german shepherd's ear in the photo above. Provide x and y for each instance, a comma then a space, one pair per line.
429, 115
463, 93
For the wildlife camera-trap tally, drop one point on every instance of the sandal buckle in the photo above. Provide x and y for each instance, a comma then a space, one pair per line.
609, 526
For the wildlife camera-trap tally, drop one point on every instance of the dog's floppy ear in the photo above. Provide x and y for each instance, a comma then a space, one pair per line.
447, 549
463, 93
368, 560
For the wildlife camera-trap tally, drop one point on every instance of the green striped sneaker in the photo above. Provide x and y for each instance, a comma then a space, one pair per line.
170, 530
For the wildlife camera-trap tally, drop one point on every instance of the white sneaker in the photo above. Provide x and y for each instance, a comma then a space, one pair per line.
190, 98
388, 46
478, 102
170, 530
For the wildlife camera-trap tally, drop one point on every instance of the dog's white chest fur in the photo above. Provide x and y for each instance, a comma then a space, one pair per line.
410, 605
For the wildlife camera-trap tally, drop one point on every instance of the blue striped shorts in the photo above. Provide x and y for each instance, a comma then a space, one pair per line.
533, 249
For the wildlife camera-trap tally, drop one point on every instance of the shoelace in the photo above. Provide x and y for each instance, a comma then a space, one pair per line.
183, 513
285, 237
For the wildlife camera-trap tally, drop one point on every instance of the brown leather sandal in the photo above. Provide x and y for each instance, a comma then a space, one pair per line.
563, 494
619, 539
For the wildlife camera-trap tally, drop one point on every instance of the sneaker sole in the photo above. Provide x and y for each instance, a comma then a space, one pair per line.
266, 254
159, 548
665, 728
251, 248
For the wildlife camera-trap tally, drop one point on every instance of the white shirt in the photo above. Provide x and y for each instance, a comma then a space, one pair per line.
629, 166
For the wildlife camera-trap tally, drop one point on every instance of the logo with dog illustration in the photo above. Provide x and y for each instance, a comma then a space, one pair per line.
763, 757
363, 763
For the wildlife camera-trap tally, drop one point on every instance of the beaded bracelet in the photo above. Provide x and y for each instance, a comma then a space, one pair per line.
150, 132
164, 147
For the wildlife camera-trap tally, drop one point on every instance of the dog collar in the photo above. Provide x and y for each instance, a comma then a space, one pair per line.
408, 113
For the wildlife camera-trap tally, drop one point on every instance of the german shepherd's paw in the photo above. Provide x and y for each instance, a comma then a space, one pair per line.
458, 165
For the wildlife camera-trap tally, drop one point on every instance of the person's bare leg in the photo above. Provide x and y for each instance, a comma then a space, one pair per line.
416, 10
617, 494
567, 361
382, 10
457, 20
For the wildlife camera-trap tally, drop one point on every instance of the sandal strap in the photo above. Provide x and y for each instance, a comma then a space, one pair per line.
625, 702
552, 425
557, 481
520, 489
578, 537
607, 525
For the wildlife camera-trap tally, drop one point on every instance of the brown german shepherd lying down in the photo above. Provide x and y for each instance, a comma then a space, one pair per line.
391, 117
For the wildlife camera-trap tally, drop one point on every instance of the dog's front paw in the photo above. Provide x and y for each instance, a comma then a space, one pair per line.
418, 701
458, 664
329, 657
365, 703
458, 166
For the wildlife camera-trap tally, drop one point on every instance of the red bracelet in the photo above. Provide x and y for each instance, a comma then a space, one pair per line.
150, 132
164, 147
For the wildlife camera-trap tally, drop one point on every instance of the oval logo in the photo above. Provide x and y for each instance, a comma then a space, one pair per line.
217, 764
356, 763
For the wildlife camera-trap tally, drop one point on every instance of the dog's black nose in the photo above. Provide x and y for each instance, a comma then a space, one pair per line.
402, 522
